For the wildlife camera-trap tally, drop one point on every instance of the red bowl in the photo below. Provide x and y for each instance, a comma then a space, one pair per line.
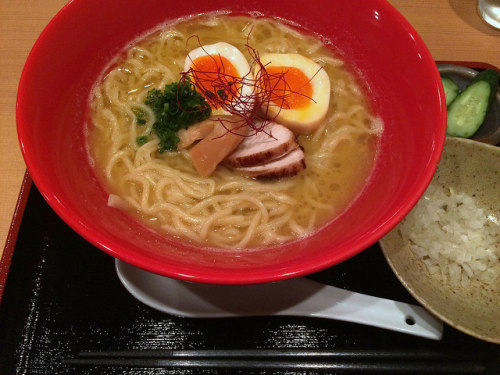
404, 87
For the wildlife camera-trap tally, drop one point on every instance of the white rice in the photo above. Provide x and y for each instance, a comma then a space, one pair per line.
454, 236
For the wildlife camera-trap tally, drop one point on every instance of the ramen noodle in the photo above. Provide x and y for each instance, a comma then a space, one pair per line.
227, 209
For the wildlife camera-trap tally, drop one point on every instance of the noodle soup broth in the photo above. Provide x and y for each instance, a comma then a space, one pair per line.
227, 210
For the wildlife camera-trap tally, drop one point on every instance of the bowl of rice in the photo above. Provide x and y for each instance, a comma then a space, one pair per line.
446, 251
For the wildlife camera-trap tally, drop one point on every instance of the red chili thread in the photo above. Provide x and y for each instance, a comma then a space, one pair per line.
226, 91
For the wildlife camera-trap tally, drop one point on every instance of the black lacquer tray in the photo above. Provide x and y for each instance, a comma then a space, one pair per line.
62, 297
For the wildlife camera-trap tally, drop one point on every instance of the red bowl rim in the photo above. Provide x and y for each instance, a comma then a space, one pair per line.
230, 276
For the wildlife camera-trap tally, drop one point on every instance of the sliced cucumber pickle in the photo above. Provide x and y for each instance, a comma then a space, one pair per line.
451, 89
466, 113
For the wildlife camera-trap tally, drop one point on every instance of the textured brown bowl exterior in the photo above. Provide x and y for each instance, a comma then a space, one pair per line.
474, 168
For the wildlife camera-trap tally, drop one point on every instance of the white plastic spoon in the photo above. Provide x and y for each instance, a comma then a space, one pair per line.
295, 297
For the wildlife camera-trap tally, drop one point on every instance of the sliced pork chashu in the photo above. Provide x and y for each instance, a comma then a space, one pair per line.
272, 143
288, 165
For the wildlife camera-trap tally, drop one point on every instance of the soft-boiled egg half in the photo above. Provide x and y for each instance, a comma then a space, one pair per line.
222, 75
296, 93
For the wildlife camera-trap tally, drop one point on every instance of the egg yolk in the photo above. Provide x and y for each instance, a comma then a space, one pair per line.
291, 88
215, 77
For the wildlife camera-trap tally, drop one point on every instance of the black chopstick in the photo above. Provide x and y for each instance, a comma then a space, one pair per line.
270, 353
399, 367
366, 361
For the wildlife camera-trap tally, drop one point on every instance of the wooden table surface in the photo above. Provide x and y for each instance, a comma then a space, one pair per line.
451, 29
